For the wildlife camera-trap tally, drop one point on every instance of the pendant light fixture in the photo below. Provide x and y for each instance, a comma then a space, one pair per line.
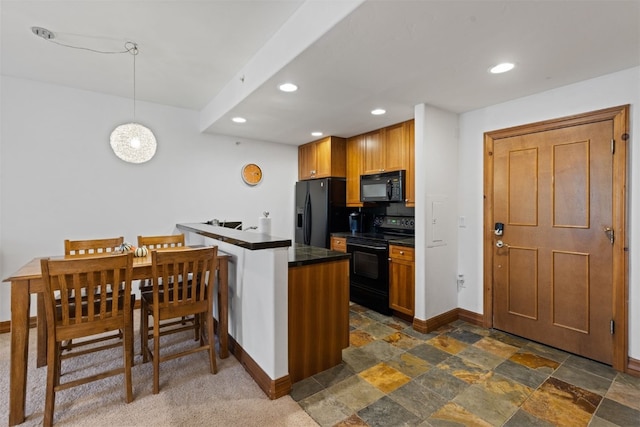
133, 142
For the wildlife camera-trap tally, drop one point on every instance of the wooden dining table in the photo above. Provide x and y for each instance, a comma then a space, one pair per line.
28, 280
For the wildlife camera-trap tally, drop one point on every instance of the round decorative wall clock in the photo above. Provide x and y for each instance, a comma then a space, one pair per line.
251, 174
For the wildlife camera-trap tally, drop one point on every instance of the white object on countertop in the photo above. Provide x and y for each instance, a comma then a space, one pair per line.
264, 224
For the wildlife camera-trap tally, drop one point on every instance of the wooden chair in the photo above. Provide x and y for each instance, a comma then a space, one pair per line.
165, 242
161, 242
168, 302
92, 247
105, 282
78, 248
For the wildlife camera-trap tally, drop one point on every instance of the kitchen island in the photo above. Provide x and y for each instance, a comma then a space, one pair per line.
288, 304
318, 309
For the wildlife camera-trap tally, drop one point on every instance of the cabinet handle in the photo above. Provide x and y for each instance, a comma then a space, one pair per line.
401, 252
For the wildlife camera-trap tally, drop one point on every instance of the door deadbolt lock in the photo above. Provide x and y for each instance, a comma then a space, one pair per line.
498, 229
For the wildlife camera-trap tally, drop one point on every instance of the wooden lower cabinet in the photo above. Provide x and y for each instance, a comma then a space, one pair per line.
402, 279
339, 244
318, 317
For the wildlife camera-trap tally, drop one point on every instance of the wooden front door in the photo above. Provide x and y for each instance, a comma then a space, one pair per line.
556, 267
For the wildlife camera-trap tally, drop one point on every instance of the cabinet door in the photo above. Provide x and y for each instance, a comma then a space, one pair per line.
306, 161
339, 244
323, 158
410, 187
401, 279
373, 152
395, 147
355, 161
331, 157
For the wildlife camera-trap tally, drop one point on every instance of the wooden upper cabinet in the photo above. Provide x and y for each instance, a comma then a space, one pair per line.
374, 152
387, 149
395, 147
410, 186
355, 167
306, 161
322, 159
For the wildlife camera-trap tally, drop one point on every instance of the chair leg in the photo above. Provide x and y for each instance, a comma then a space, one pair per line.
53, 380
144, 331
199, 323
212, 346
156, 356
196, 327
127, 349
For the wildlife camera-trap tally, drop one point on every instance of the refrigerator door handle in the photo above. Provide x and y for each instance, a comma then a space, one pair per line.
307, 219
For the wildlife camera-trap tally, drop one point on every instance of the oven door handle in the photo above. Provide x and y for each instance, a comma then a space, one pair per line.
358, 245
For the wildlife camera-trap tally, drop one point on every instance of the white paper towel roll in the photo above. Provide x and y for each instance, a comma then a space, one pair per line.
264, 225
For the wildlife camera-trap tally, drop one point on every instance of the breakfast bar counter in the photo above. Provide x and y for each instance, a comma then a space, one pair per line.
288, 304
257, 300
244, 239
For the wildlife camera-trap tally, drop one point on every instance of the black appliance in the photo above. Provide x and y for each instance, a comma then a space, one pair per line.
382, 187
369, 263
320, 211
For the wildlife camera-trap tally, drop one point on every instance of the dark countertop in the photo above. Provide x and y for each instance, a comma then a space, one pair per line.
245, 239
409, 242
300, 255
399, 241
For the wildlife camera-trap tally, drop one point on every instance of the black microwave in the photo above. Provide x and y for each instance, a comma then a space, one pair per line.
382, 187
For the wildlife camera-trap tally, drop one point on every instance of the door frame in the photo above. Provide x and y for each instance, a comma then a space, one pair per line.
620, 117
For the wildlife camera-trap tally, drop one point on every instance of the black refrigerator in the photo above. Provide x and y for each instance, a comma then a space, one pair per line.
320, 210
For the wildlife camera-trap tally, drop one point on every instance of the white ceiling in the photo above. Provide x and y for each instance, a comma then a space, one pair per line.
225, 58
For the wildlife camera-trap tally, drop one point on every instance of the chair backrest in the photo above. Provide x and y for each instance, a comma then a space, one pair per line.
104, 283
161, 242
92, 246
197, 267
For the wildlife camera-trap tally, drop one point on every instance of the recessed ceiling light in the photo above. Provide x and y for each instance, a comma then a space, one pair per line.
378, 111
316, 133
288, 87
501, 68
239, 119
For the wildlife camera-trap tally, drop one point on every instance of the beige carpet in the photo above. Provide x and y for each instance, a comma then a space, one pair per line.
189, 394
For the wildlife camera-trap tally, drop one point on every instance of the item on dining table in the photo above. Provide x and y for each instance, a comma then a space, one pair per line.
141, 251
126, 247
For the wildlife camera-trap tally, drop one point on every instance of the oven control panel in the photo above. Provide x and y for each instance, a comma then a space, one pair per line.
395, 222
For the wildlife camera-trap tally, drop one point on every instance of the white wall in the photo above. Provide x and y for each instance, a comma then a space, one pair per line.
606, 91
436, 160
59, 178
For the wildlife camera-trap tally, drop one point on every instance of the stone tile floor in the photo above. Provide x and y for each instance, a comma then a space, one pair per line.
462, 374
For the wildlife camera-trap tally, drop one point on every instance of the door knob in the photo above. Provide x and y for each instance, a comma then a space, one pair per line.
608, 231
501, 244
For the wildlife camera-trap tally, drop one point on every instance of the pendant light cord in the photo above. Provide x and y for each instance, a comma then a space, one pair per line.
88, 48
129, 47
132, 48
131, 142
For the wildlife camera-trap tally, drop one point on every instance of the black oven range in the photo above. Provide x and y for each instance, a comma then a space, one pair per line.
369, 264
